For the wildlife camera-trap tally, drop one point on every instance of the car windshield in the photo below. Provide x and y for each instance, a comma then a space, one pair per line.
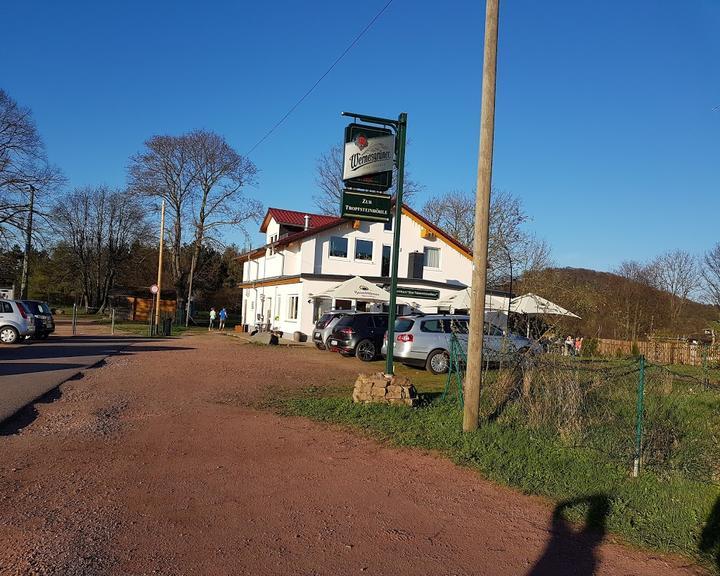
36, 307
403, 324
345, 321
324, 320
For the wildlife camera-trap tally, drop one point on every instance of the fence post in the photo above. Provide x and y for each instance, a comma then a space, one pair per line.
639, 409
74, 319
112, 323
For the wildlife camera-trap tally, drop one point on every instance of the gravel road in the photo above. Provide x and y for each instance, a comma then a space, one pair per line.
158, 462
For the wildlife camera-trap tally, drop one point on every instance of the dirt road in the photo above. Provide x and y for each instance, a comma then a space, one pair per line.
157, 463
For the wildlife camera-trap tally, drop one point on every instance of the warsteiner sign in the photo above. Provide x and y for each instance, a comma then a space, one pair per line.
369, 157
370, 206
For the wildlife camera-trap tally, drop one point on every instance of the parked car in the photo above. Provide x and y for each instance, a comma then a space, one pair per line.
360, 334
425, 341
325, 325
16, 321
44, 321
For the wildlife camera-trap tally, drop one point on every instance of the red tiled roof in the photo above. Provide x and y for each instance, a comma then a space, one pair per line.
293, 218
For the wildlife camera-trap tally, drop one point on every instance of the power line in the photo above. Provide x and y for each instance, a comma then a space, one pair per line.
337, 60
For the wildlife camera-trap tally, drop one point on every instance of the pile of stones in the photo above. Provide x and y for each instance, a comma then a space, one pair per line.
377, 388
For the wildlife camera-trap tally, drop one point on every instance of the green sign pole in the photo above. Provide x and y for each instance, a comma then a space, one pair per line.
401, 131
400, 126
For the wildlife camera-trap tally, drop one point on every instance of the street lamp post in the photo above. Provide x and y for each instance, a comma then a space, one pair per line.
28, 245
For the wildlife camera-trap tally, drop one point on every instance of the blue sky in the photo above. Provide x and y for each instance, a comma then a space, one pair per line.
605, 125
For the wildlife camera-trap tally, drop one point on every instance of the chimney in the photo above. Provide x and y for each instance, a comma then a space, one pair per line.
307, 221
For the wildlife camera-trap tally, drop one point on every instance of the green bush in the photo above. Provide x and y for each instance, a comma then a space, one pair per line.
589, 347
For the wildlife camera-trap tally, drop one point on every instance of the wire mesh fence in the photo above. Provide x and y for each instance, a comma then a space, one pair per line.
632, 413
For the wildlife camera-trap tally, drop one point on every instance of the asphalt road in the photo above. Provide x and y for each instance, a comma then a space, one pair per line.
28, 371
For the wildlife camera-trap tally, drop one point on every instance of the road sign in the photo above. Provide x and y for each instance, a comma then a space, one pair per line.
369, 157
361, 205
154, 288
419, 293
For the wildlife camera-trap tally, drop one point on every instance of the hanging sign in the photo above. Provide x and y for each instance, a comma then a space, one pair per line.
360, 205
369, 157
419, 293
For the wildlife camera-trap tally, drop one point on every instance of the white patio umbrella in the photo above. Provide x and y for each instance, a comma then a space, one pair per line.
496, 307
461, 301
533, 305
357, 288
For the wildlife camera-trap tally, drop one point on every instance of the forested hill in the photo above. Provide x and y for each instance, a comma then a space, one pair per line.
612, 306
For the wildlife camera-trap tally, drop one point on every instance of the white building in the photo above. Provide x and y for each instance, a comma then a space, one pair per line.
306, 255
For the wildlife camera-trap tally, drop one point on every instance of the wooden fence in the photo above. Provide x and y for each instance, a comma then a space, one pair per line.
662, 352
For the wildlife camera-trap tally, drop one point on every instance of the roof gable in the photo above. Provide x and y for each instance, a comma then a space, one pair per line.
295, 218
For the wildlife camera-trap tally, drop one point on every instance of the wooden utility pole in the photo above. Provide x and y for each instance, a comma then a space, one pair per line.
160, 264
473, 375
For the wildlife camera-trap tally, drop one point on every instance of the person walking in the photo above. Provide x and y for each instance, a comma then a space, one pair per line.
213, 315
569, 346
578, 345
223, 317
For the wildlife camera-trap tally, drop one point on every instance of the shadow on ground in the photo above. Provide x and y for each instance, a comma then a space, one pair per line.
710, 537
27, 415
570, 551
76, 347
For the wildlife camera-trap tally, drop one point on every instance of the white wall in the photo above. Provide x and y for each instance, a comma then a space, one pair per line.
273, 229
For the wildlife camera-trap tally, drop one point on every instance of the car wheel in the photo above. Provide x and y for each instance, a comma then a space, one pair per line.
365, 350
319, 346
327, 345
438, 362
44, 335
8, 335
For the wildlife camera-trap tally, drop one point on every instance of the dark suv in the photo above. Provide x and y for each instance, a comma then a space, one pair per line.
44, 322
360, 334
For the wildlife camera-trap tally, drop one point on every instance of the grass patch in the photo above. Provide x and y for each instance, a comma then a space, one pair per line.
662, 511
142, 328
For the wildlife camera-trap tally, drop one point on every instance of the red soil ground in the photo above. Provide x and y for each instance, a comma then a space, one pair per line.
159, 463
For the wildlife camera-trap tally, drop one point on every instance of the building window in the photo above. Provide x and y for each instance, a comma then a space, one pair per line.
432, 257
363, 250
292, 308
338, 247
388, 225
385, 267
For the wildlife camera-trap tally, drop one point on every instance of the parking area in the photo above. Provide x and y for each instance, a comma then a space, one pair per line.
30, 369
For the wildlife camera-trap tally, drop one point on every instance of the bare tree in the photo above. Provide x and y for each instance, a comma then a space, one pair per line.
711, 274
328, 177
165, 170
221, 174
511, 251
23, 167
677, 273
100, 226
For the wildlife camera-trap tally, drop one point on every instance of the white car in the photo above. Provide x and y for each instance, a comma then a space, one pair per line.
15, 322
424, 341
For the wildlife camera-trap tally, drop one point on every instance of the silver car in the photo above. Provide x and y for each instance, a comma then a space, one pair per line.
424, 341
324, 327
16, 322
